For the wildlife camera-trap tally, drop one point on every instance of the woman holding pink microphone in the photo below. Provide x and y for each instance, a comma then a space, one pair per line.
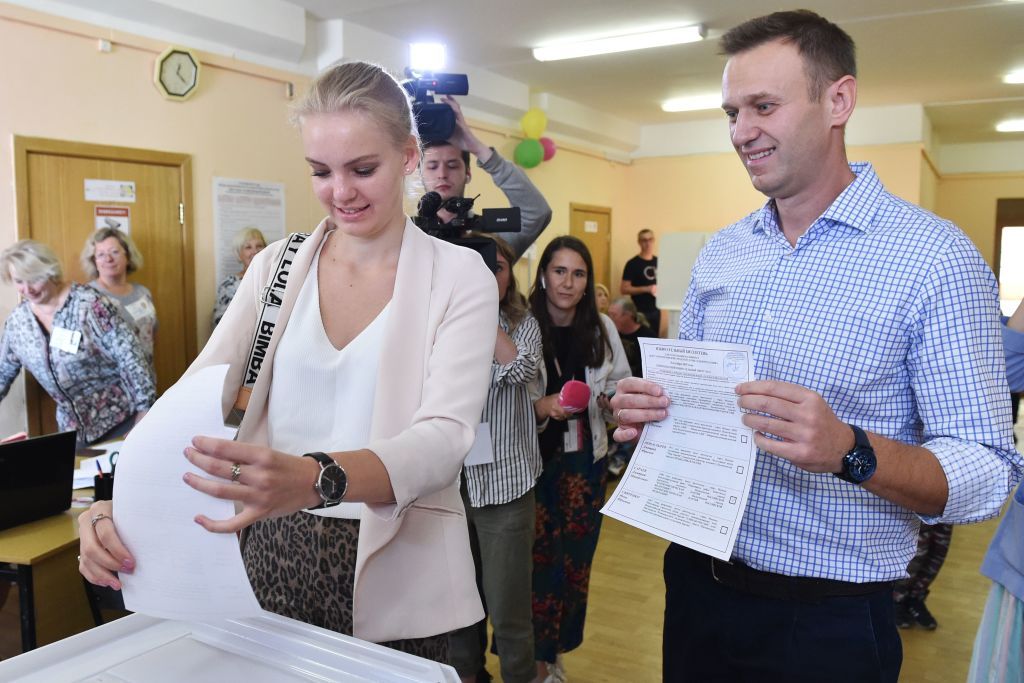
580, 346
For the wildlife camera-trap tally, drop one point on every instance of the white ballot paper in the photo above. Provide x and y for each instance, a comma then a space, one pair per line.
182, 570
690, 474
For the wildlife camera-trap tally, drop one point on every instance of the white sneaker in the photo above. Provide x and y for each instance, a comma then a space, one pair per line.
556, 671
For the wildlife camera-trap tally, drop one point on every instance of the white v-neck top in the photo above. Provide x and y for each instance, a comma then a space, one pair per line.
321, 398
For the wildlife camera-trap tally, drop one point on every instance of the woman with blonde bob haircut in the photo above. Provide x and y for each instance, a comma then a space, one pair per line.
76, 344
108, 258
377, 372
246, 243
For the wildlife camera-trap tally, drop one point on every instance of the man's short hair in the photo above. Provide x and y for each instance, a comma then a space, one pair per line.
827, 50
445, 143
645, 231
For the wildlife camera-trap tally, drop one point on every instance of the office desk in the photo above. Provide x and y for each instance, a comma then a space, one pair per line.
44, 554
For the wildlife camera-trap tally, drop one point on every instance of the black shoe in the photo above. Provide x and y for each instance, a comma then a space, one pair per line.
904, 619
916, 608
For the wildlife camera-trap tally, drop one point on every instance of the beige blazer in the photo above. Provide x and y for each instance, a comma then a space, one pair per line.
414, 573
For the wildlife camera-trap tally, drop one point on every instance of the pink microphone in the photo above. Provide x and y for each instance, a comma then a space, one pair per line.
574, 396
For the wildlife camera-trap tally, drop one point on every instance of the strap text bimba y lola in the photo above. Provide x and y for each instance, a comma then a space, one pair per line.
271, 297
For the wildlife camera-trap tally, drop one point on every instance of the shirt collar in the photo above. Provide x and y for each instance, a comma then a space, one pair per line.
847, 209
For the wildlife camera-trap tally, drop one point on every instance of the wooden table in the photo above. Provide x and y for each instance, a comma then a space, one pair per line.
45, 558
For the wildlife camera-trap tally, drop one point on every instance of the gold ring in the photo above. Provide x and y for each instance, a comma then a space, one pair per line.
98, 516
618, 414
236, 471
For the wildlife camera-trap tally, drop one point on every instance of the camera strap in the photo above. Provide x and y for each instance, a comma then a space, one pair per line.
271, 297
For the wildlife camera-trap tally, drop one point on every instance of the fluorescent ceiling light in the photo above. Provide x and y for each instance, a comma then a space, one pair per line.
1011, 126
633, 41
426, 57
1014, 77
693, 103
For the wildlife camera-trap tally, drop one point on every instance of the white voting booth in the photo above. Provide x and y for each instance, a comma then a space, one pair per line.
677, 252
265, 649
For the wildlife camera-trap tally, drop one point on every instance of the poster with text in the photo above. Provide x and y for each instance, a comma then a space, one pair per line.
239, 205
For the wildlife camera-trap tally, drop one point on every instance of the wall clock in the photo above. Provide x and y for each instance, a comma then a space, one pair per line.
176, 73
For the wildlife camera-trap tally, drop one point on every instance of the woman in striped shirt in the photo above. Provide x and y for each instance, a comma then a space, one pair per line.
499, 494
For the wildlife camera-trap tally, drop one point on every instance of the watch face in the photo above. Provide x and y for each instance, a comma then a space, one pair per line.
178, 73
861, 464
332, 483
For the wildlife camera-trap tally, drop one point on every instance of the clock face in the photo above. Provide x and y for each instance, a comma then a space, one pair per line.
178, 73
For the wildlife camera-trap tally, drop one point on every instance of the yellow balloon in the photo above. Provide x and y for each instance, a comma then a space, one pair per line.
534, 122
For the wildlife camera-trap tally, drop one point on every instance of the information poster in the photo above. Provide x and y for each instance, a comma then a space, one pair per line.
239, 205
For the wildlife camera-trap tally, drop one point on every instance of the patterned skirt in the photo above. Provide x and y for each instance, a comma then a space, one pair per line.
569, 495
302, 566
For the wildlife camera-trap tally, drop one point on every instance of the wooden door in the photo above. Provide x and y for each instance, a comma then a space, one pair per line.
52, 208
593, 225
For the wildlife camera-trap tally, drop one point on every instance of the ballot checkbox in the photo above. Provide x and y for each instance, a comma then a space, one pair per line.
724, 530
743, 438
739, 469
732, 500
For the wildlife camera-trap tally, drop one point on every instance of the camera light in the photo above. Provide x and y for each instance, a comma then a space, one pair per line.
426, 57
693, 103
633, 41
1011, 126
1014, 77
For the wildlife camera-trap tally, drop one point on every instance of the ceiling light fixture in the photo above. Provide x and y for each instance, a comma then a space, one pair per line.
693, 103
633, 41
1014, 77
1011, 126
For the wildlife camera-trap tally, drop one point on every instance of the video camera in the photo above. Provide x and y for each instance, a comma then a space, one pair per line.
435, 121
489, 220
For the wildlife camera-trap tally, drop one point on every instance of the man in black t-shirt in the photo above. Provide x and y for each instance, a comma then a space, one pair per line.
640, 279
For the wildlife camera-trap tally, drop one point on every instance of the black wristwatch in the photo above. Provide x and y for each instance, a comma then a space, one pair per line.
859, 464
332, 482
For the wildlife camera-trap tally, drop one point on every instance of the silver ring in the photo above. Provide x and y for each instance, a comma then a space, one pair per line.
236, 472
99, 516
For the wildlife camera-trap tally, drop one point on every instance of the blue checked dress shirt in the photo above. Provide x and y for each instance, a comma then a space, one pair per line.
892, 315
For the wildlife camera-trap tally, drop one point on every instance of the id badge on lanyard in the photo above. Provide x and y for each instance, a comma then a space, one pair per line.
572, 440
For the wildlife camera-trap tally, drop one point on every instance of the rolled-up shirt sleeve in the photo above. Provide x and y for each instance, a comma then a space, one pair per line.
523, 367
958, 376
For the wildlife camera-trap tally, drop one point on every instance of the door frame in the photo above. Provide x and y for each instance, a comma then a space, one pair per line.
593, 208
24, 146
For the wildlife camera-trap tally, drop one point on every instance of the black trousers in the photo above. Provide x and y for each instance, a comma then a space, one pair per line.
715, 633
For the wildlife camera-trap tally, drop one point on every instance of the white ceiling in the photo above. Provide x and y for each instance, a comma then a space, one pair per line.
949, 55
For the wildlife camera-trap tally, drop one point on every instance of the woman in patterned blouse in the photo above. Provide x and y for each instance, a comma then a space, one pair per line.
247, 244
108, 258
76, 344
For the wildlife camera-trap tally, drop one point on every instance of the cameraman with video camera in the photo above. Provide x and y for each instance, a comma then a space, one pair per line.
445, 169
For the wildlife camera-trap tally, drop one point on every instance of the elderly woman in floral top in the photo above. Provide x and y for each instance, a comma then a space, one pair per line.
76, 344
247, 244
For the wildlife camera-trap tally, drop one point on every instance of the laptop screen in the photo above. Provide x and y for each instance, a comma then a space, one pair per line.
35, 478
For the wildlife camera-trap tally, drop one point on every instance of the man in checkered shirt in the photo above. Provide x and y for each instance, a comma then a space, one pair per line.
880, 398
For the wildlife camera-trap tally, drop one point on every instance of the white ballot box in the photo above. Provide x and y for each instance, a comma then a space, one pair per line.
139, 648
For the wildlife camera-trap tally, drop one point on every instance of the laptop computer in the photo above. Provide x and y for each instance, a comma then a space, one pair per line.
35, 478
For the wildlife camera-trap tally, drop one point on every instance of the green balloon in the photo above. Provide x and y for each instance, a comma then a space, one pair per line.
529, 153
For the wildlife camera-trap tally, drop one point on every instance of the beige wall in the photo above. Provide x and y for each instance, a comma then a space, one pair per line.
56, 84
970, 202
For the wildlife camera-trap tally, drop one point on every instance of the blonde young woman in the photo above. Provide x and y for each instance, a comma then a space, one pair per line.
377, 372
108, 258
76, 344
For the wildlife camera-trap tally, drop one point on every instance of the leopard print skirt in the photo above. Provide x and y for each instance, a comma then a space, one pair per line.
303, 566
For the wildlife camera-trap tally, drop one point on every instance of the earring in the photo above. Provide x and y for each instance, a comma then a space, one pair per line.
543, 283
